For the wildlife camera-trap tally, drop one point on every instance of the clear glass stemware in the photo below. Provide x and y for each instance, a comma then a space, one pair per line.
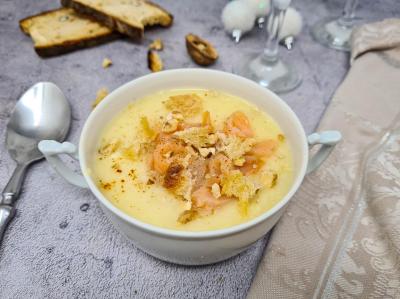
267, 69
335, 32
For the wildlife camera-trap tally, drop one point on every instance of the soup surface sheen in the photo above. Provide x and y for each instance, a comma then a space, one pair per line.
122, 175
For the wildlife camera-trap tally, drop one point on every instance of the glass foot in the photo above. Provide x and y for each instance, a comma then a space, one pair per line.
276, 76
330, 33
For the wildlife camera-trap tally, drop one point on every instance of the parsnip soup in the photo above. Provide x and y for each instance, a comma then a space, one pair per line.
193, 160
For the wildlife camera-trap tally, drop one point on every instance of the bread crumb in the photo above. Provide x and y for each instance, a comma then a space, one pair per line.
188, 205
234, 147
157, 45
199, 137
185, 161
236, 184
207, 151
187, 216
239, 161
101, 94
171, 125
187, 104
175, 115
107, 62
185, 187
216, 190
154, 61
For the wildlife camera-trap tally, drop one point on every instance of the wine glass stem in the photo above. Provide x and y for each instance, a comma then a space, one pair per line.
274, 26
347, 18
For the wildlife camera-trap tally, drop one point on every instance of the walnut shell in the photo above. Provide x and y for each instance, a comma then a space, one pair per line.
201, 51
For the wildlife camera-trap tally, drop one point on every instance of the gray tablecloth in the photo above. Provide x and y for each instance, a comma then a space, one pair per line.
61, 245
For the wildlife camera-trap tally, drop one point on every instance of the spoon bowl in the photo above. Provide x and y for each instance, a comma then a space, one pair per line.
42, 112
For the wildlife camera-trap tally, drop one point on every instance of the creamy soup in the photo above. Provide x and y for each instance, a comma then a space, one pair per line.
193, 160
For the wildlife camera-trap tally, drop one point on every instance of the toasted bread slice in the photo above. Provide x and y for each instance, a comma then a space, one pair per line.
63, 30
129, 17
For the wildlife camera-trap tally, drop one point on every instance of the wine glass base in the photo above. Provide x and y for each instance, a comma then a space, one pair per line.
277, 76
330, 33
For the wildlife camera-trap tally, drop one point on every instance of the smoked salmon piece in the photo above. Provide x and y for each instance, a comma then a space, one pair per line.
257, 156
264, 149
239, 125
203, 199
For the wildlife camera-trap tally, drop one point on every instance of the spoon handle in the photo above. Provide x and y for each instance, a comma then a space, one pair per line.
9, 196
13, 188
7, 213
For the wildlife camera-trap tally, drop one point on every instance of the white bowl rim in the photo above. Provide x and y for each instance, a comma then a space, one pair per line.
177, 234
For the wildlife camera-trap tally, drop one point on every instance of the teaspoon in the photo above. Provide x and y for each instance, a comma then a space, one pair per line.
42, 112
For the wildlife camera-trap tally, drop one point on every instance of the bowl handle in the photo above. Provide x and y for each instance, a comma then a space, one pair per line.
328, 140
51, 150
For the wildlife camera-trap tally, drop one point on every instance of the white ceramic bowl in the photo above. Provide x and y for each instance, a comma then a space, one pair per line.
191, 248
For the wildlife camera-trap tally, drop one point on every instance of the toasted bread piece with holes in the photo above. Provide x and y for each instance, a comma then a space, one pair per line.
62, 30
128, 17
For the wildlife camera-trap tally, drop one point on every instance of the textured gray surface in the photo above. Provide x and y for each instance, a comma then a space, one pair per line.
57, 249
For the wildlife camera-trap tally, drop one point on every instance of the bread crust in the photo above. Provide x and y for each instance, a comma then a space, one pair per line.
165, 11
74, 45
113, 22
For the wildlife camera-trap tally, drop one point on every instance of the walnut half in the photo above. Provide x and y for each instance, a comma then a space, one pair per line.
201, 51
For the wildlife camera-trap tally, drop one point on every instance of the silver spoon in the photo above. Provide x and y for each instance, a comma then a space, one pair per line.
42, 112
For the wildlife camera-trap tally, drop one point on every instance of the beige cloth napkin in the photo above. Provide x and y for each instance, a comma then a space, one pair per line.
340, 236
